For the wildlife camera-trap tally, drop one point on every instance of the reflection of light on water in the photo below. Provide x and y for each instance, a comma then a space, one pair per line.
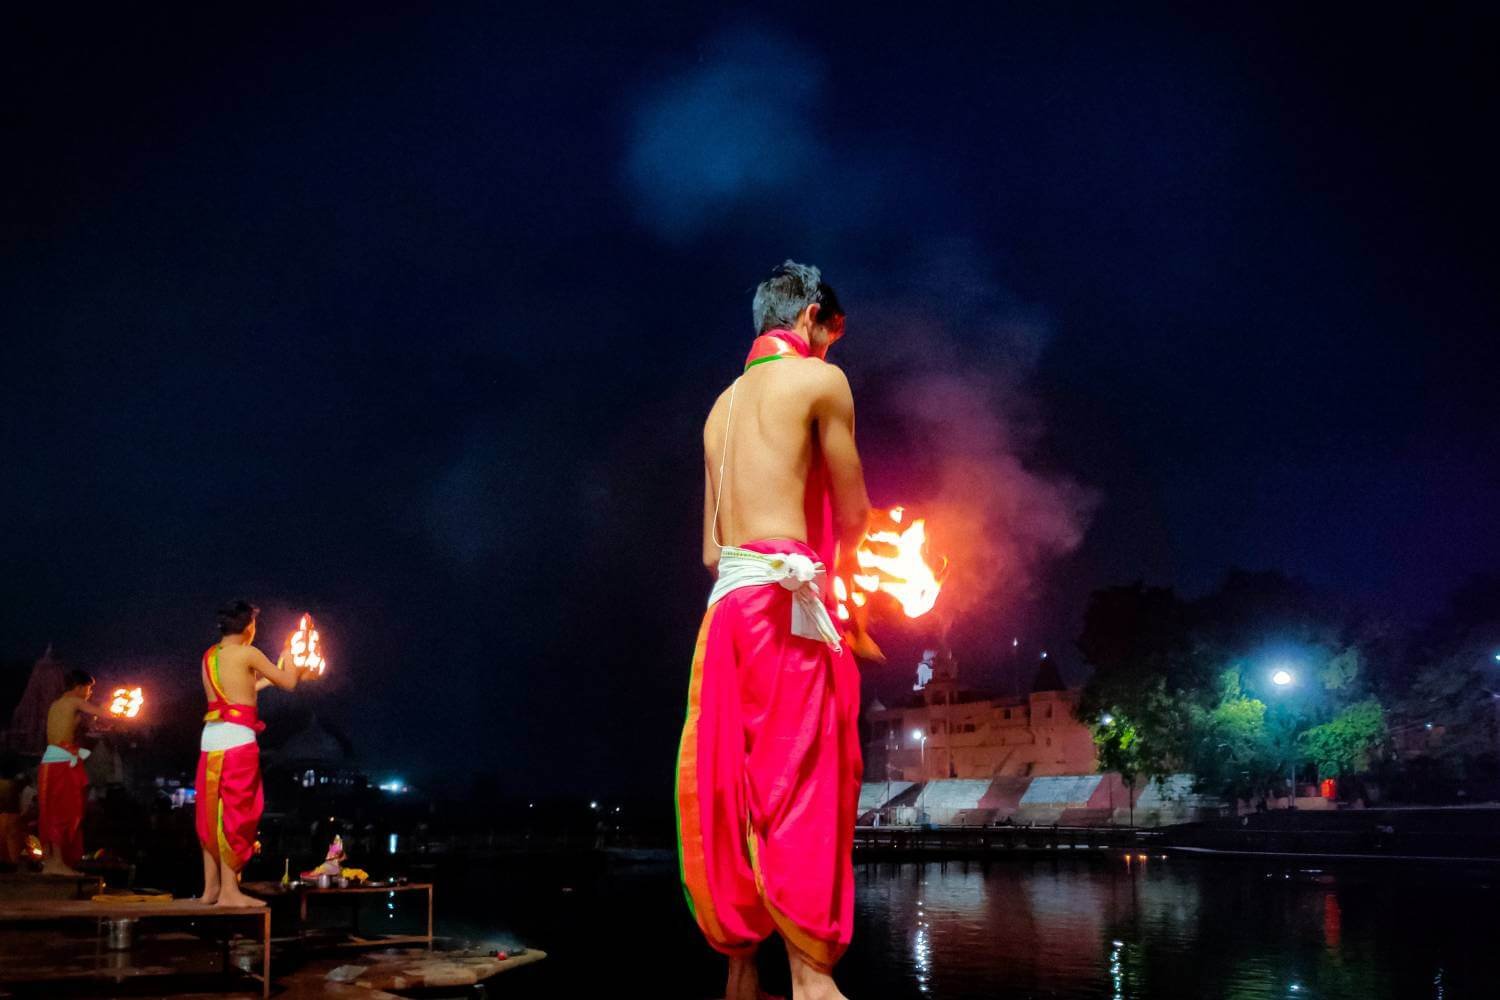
1116, 969
922, 950
1437, 985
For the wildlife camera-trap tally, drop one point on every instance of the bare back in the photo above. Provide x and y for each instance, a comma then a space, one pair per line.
778, 411
765, 471
62, 720
236, 675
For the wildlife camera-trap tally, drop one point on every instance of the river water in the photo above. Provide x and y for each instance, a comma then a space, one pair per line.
1069, 928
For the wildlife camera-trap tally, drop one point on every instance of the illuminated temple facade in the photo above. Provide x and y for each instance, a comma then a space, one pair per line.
975, 736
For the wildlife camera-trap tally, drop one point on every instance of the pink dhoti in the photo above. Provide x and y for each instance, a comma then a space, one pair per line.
768, 777
229, 795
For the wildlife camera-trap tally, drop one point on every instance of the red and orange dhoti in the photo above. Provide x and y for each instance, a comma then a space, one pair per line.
768, 778
62, 789
229, 795
769, 767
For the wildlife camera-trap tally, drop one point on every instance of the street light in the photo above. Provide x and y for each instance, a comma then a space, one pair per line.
921, 737
1283, 678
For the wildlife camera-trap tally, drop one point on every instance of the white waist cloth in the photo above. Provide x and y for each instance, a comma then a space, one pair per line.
796, 572
225, 736
57, 755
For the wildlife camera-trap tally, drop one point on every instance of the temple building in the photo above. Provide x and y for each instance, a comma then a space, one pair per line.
31, 691
947, 732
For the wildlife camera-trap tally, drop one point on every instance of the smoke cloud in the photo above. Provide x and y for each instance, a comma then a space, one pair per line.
949, 399
735, 127
940, 351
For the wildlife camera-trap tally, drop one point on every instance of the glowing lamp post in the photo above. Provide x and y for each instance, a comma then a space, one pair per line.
1283, 679
307, 652
126, 702
921, 738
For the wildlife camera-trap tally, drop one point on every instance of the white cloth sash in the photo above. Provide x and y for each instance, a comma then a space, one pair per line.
796, 572
57, 755
225, 736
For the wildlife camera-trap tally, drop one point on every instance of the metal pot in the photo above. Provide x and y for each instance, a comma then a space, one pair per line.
119, 933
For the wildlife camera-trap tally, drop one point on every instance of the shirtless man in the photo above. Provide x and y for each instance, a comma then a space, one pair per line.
62, 785
769, 765
229, 795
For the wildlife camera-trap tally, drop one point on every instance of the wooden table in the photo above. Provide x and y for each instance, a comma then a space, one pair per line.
16, 887
272, 890
39, 911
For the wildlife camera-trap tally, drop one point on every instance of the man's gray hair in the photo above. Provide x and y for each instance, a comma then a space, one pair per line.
791, 288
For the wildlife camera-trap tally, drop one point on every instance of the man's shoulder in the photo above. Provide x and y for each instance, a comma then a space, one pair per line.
819, 379
235, 654
813, 373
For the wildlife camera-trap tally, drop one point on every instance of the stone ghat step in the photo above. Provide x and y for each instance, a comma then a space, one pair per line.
412, 968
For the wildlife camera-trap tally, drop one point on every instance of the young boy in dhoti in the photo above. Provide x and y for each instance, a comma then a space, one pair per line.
229, 797
769, 766
62, 785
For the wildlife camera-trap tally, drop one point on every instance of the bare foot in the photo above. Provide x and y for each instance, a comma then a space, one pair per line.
207, 899
808, 983
744, 980
50, 867
233, 897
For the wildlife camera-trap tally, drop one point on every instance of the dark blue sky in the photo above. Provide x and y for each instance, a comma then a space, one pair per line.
412, 320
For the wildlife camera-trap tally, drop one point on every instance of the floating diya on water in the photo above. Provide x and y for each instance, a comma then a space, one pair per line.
307, 652
127, 702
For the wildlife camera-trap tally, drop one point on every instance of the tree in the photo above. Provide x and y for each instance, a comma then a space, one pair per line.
1119, 748
1235, 753
1181, 685
1342, 671
1144, 679
1347, 743
1448, 721
1455, 698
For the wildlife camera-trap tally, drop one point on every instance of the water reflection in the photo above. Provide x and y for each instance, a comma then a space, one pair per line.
1156, 928
922, 950
1069, 929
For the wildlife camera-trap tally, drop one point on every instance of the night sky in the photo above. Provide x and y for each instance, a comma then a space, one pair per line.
412, 321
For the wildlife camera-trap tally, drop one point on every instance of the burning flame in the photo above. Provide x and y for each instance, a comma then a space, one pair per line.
126, 703
893, 561
304, 646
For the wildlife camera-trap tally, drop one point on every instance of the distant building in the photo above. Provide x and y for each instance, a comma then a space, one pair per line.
27, 732
977, 736
317, 758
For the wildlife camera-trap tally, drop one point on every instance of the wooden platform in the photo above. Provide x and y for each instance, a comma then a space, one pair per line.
272, 892
372, 976
42, 911
15, 886
74, 909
